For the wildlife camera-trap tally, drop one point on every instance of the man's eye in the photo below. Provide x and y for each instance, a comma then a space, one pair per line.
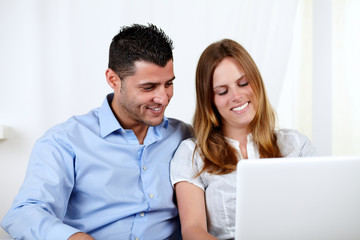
168, 84
147, 88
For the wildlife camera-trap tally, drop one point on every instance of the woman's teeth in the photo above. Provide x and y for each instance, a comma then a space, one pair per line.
241, 107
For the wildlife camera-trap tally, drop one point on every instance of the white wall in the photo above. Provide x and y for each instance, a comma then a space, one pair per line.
53, 55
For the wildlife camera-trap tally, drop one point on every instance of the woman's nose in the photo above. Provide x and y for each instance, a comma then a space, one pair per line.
237, 95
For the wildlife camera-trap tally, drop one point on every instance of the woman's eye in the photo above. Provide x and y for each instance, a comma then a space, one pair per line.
243, 81
222, 93
243, 84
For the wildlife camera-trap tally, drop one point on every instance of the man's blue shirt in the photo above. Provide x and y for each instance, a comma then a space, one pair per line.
89, 174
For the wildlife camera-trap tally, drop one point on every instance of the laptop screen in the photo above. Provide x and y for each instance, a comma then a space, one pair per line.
298, 198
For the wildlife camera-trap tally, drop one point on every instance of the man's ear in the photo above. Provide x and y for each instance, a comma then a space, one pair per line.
112, 79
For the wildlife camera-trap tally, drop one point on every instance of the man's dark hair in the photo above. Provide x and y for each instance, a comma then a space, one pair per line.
139, 43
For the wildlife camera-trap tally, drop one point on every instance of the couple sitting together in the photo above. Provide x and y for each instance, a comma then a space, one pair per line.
125, 171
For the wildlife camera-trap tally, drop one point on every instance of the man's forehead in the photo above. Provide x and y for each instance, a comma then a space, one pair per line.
146, 72
140, 63
153, 81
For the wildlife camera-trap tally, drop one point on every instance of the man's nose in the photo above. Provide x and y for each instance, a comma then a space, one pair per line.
161, 96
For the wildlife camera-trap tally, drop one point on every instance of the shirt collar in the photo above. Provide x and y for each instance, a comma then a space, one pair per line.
109, 123
107, 119
252, 150
235, 142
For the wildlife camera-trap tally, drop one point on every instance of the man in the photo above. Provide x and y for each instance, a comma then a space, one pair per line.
105, 175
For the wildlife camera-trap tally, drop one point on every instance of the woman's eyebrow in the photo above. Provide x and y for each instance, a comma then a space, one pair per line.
240, 78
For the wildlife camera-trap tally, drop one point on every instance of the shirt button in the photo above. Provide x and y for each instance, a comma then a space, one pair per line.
142, 214
144, 167
151, 195
137, 239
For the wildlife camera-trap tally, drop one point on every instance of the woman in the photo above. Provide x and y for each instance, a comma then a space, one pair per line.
233, 121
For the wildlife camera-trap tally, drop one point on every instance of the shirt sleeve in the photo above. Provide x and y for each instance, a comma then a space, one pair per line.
40, 206
183, 167
307, 148
294, 144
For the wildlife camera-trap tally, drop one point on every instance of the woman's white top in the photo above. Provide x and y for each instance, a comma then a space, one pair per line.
220, 190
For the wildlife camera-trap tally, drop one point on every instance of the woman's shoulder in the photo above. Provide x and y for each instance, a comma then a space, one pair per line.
185, 149
185, 165
293, 143
287, 134
189, 142
187, 145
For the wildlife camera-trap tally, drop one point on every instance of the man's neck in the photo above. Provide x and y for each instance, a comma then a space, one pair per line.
140, 132
139, 128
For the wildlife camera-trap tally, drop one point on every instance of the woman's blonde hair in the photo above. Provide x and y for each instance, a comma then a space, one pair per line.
218, 156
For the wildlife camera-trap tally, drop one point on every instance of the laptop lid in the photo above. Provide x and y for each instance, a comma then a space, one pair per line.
298, 198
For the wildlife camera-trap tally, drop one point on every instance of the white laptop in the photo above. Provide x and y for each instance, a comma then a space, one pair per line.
313, 198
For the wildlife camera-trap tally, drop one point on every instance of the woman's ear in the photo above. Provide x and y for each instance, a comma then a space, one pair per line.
112, 79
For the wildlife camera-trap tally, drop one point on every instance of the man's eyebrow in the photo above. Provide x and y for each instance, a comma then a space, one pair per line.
155, 83
172, 79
